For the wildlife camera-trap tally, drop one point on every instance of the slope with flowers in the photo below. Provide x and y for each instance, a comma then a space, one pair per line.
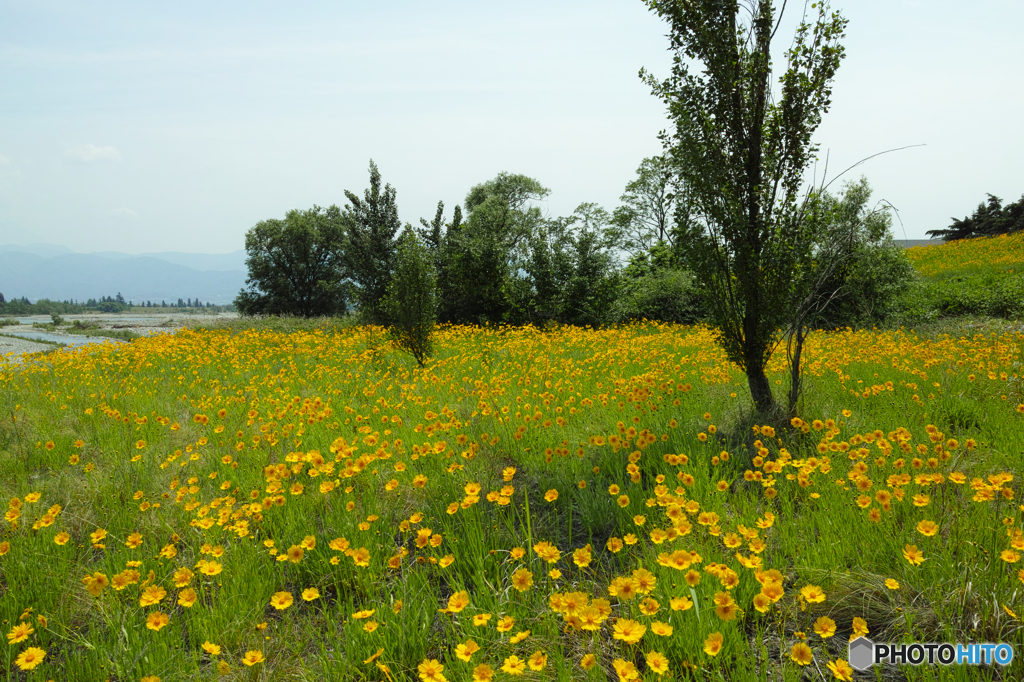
561, 504
980, 276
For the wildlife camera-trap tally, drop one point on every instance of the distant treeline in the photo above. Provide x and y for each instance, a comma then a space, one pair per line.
104, 304
988, 220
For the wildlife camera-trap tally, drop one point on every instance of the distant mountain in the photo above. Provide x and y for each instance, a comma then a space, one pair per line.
82, 276
197, 261
44, 250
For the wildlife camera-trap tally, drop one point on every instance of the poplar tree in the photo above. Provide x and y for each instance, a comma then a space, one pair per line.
741, 147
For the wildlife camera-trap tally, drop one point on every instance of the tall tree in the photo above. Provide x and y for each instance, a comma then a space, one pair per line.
571, 268
439, 239
487, 253
372, 224
742, 156
654, 209
295, 265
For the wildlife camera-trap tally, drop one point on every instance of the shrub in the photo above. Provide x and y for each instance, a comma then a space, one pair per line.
666, 295
411, 300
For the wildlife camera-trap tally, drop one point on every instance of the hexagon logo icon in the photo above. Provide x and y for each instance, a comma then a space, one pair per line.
862, 653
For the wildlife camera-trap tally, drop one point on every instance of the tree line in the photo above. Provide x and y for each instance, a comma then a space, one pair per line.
497, 258
989, 219
103, 304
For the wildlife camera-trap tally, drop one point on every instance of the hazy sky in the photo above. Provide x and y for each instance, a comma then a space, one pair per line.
141, 126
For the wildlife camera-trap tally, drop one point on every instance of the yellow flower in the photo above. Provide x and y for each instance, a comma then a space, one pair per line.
625, 670
157, 620
514, 666
927, 528
458, 601
629, 631
187, 597
582, 557
860, 628
465, 650
522, 580
841, 670
680, 604
661, 629
483, 673
253, 657
182, 577
551, 495
657, 662
649, 606
588, 661
212, 649
801, 654
30, 658
430, 671
713, 644
812, 594
282, 600
210, 568
519, 636
505, 623
892, 584
825, 627
538, 661
153, 594
481, 619
19, 633
61, 538
310, 593
913, 555
361, 557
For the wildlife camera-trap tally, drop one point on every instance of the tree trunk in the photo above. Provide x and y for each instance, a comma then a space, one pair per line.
761, 391
799, 336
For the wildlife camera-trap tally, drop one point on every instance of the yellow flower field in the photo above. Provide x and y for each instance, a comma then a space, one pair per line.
1002, 254
536, 504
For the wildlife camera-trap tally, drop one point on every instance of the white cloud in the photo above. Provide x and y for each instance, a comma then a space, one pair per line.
90, 152
124, 212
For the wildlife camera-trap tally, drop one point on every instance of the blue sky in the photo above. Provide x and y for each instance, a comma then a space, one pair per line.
137, 126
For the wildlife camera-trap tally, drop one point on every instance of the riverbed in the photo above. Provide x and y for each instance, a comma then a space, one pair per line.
22, 338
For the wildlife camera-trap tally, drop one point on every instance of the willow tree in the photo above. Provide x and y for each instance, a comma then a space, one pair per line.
741, 145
